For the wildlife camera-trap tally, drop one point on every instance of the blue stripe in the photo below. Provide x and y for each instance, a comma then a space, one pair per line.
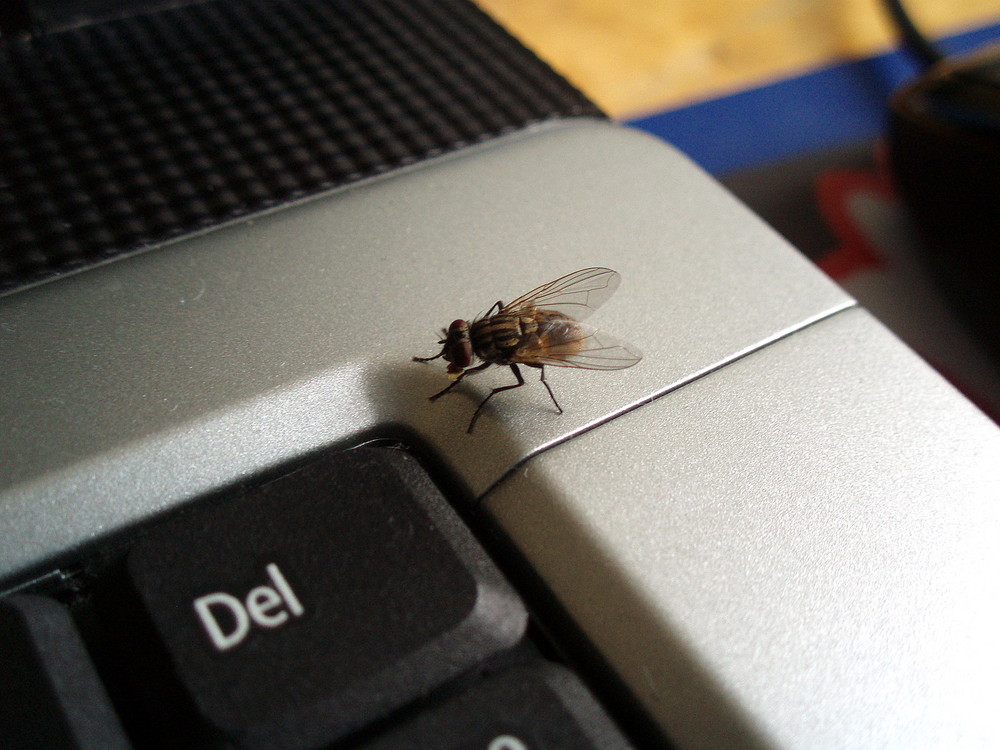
835, 105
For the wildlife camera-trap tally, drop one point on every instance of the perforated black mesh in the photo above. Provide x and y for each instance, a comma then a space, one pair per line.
125, 133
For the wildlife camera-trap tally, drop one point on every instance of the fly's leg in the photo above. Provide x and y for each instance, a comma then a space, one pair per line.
495, 391
458, 380
551, 394
428, 359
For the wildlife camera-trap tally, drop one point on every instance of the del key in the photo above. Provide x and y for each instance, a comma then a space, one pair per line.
299, 611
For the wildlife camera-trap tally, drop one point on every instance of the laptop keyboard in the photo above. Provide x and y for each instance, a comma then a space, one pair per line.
342, 604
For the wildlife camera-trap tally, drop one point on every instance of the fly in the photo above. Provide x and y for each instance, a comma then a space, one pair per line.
537, 329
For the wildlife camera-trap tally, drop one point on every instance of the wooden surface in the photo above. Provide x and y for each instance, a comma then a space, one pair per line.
633, 57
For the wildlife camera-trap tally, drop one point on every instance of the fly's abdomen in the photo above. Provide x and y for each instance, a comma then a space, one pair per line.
555, 336
555, 329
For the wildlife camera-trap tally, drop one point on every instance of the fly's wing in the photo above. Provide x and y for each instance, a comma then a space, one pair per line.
566, 343
576, 294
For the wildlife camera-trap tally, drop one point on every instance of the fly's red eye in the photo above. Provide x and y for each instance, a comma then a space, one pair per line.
458, 347
461, 353
458, 350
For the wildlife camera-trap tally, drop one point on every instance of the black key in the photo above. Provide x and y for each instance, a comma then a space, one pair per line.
540, 707
292, 615
51, 695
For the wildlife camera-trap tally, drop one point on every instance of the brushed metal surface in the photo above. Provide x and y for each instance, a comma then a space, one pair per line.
133, 386
796, 551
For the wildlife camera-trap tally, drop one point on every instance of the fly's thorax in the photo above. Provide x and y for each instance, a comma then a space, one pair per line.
494, 336
500, 338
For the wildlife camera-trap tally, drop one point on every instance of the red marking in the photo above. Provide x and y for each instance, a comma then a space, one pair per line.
854, 252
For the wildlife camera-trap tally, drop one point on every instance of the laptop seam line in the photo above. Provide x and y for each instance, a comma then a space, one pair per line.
704, 372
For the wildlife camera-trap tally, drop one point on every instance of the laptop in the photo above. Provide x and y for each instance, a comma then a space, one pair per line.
232, 516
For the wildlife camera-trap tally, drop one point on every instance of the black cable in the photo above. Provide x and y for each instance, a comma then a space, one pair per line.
928, 52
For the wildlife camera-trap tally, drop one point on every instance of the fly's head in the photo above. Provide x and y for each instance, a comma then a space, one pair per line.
457, 347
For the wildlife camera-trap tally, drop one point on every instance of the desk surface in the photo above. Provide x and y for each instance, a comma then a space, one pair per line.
648, 55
